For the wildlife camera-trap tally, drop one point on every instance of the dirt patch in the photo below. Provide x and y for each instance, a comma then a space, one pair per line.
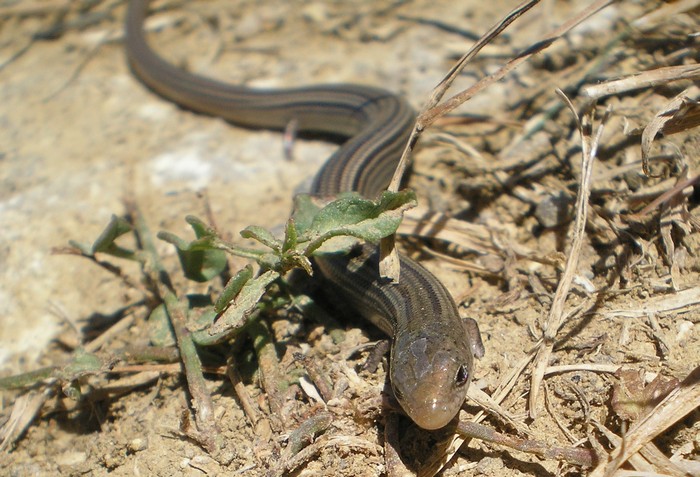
80, 134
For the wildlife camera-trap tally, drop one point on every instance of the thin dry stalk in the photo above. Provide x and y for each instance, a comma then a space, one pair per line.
490, 406
641, 80
24, 411
392, 458
577, 456
239, 388
556, 314
430, 116
430, 111
661, 14
665, 197
679, 302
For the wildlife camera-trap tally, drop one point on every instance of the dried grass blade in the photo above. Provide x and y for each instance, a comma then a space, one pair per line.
495, 30
430, 116
681, 113
556, 313
24, 410
641, 80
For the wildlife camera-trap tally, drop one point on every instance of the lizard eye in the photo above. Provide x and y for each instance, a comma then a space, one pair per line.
462, 376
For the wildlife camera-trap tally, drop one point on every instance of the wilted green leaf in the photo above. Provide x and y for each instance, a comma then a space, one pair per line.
263, 236
290, 236
82, 363
232, 288
116, 227
160, 330
201, 260
235, 315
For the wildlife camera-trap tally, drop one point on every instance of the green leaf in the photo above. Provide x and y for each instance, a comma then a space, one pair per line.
263, 236
270, 261
83, 363
354, 216
304, 212
201, 260
290, 236
29, 379
160, 330
200, 228
202, 265
232, 288
116, 227
234, 317
348, 209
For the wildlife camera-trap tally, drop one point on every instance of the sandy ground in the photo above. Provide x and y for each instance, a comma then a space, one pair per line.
78, 133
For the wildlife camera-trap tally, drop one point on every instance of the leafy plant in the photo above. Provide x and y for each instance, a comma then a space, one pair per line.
312, 229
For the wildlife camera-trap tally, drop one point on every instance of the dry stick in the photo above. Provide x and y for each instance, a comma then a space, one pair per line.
430, 109
495, 30
177, 310
317, 376
573, 455
665, 197
646, 460
642, 80
444, 85
556, 313
242, 393
269, 366
24, 410
392, 459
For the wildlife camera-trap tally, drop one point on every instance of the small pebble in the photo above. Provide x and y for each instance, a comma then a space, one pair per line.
554, 210
138, 444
